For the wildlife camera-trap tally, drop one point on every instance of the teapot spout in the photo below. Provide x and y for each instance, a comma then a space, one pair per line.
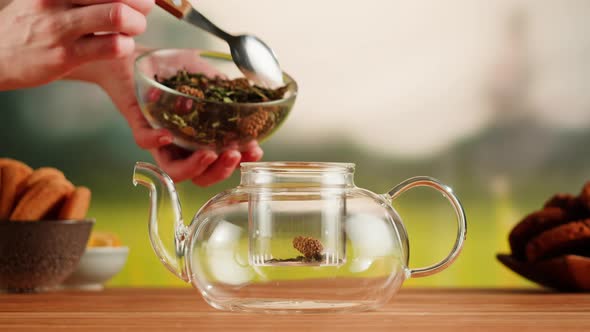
164, 204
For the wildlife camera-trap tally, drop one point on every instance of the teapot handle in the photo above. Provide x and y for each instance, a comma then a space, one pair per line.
425, 181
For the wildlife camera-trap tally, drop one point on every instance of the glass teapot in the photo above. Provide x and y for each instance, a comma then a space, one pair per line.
292, 237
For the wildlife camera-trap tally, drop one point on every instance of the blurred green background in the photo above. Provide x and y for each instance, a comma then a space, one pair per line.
491, 98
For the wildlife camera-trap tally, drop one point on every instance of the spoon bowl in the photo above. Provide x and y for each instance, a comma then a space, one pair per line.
254, 58
256, 61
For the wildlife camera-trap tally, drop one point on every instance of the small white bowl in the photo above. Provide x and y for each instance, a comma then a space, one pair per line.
97, 266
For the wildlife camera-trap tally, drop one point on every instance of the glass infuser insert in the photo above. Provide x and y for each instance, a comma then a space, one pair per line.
294, 228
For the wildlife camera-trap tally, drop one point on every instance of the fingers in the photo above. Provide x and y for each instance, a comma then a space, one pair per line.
115, 17
145, 136
142, 6
253, 154
220, 170
148, 138
180, 167
203, 167
92, 48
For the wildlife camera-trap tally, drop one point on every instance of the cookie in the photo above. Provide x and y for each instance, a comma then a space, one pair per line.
103, 239
76, 205
1, 184
532, 225
39, 200
571, 238
14, 176
562, 201
43, 174
577, 207
584, 197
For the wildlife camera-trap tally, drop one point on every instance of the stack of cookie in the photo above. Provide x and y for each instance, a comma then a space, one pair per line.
552, 246
41, 194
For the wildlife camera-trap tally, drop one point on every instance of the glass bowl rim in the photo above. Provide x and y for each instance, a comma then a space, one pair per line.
291, 83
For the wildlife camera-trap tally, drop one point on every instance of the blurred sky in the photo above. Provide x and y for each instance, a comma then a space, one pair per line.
398, 77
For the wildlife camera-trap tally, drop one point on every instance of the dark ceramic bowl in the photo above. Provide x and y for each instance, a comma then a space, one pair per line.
567, 273
39, 255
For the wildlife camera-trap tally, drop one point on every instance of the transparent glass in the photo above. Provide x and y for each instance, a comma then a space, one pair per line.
198, 123
293, 237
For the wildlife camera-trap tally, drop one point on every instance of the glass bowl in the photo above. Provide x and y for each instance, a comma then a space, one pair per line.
198, 123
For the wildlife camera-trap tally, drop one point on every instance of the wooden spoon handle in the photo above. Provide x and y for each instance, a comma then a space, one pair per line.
178, 8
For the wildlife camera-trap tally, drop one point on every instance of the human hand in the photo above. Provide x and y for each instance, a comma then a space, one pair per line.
202, 167
43, 40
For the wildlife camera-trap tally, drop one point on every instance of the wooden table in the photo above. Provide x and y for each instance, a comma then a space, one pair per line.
183, 310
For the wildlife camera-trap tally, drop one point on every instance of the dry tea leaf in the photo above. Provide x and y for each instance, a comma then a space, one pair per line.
221, 90
222, 112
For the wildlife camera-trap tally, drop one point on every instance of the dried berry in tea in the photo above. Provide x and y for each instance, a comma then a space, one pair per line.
310, 248
253, 124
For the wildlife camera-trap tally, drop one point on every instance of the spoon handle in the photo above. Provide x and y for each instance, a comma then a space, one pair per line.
178, 8
182, 9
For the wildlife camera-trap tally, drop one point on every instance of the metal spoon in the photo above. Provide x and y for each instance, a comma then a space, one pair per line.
252, 56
